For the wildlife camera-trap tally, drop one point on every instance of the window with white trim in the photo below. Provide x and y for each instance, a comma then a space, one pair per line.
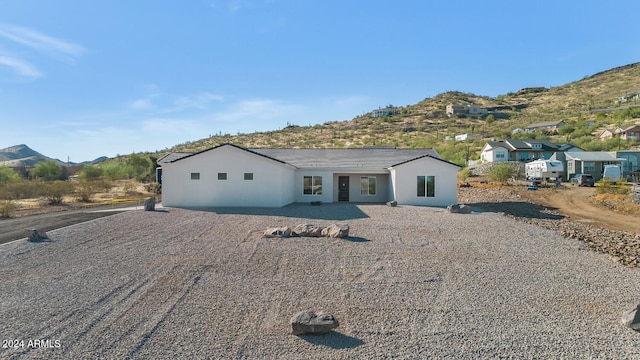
368, 185
312, 185
426, 186
248, 176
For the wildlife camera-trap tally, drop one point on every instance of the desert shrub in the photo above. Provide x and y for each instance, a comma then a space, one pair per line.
6, 206
608, 187
152, 188
48, 170
464, 174
501, 173
87, 188
55, 191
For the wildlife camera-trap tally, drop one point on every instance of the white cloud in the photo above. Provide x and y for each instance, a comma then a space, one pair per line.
21, 67
51, 46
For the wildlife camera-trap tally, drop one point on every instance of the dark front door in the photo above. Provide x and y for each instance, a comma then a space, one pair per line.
343, 188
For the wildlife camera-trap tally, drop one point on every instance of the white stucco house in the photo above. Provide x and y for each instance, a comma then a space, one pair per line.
230, 175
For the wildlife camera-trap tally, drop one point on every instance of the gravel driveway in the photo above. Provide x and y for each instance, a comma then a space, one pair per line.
411, 282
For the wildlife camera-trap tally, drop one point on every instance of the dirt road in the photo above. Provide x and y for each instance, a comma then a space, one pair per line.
13, 229
579, 204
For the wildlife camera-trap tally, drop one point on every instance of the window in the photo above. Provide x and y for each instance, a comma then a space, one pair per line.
426, 186
500, 155
312, 185
248, 176
195, 176
222, 176
588, 166
367, 185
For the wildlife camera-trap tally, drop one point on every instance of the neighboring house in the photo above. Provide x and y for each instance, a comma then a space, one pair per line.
628, 97
517, 131
383, 112
631, 163
609, 133
522, 150
589, 162
466, 110
632, 132
463, 137
548, 125
230, 175
532, 89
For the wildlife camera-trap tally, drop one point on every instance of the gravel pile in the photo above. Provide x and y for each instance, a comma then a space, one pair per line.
621, 246
410, 282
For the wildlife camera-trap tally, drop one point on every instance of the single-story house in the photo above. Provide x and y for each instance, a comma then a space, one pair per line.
523, 150
632, 132
230, 175
389, 110
466, 110
609, 133
631, 163
547, 125
589, 162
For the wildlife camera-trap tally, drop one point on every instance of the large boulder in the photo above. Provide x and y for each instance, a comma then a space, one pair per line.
307, 230
277, 232
631, 318
150, 204
308, 322
36, 234
336, 231
459, 209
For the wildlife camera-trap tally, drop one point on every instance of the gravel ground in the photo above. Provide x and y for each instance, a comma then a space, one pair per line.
411, 282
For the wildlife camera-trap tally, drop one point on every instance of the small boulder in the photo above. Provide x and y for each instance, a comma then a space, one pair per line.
459, 209
308, 322
277, 232
150, 204
336, 231
631, 318
392, 203
307, 230
36, 234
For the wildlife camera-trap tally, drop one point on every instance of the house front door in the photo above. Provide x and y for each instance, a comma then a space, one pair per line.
343, 188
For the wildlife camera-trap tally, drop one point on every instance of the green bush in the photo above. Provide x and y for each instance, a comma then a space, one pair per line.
464, 174
608, 187
48, 171
7, 175
501, 173
90, 172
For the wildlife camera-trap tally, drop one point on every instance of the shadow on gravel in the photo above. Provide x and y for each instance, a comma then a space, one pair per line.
298, 210
521, 209
40, 240
356, 239
334, 340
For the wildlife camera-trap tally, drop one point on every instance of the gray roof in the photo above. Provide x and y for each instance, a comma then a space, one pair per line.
592, 156
172, 157
366, 158
348, 159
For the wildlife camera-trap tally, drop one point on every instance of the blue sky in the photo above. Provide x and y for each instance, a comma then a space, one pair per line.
82, 79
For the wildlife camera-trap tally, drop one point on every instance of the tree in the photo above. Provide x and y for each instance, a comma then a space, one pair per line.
114, 170
501, 173
90, 172
7, 176
141, 166
48, 170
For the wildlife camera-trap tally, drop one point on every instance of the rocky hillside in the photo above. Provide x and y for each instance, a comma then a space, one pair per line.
426, 124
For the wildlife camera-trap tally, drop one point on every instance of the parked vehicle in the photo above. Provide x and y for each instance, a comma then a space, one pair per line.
544, 169
582, 180
612, 173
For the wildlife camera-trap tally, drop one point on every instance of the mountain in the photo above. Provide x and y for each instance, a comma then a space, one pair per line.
426, 124
22, 155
